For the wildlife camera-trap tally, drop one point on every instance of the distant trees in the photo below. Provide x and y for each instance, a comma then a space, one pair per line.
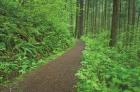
119, 17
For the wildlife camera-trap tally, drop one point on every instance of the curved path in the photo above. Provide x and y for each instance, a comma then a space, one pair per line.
56, 76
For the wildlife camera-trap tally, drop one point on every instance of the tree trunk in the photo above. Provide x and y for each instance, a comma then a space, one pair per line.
115, 21
77, 19
81, 18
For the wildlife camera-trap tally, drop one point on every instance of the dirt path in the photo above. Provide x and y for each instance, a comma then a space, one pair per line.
56, 76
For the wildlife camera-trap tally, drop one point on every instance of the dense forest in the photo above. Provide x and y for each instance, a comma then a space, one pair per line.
32, 31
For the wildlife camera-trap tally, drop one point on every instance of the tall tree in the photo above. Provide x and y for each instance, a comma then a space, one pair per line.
131, 12
79, 18
115, 21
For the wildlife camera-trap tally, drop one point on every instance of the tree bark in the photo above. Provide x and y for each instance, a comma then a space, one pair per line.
115, 21
81, 18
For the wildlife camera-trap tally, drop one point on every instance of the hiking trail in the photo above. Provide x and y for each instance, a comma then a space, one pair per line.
55, 76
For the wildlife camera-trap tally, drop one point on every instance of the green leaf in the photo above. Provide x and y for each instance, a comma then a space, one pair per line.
2, 46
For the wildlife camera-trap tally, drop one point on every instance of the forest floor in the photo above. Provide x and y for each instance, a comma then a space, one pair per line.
56, 76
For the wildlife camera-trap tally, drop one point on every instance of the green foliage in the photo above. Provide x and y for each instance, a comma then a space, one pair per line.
29, 31
106, 69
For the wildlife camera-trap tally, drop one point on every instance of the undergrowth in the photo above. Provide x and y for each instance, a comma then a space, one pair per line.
30, 32
106, 69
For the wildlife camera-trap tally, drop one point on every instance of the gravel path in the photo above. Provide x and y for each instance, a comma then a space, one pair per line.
56, 76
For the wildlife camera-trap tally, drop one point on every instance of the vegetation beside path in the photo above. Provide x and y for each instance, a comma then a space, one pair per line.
29, 31
106, 69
